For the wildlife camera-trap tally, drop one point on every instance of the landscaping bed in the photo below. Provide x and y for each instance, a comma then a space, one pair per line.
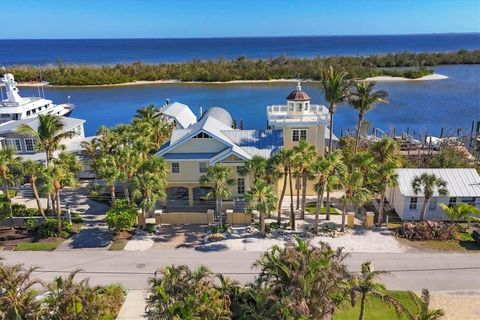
312, 207
120, 240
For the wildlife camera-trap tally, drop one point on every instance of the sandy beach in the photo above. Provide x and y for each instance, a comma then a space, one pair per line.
434, 76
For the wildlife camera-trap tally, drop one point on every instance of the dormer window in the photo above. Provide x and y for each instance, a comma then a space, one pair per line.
202, 135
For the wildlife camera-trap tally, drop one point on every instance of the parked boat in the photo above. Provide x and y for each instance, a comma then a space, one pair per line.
15, 107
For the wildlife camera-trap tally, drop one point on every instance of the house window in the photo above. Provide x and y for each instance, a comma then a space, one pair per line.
14, 144
175, 167
413, 203
290, 106
202, 167
29, 144
452, 202
202, 135
240, 185
433, 204
299, 134
299, 107
470, 201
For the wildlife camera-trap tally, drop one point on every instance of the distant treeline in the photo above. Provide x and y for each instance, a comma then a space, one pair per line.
409, 65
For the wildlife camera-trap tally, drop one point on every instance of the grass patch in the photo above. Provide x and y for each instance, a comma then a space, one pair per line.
375, 309
118, 245
312, 206
37, 246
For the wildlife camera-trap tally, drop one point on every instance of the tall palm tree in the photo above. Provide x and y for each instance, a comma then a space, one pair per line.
49, 134
306, 155
386, 177
7, 162
218, 177
428, 183
423, 307
365, 285
34, 171
355, 193
150, 183
128, 162
148, 113
326, 168
106, 168
364, 99
256, 167
283, 160
336, 88
386, 150
261, 197
63, 173
48, 137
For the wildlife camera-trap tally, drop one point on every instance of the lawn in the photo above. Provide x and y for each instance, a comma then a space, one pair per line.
37, 246
311, 207
375, 309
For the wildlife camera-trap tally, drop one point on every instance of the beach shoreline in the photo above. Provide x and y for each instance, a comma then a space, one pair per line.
434, 76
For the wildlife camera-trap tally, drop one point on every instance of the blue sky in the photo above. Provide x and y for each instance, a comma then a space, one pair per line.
30, 19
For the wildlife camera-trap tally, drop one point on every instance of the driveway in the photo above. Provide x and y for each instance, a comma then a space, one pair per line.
179, 236
94, 234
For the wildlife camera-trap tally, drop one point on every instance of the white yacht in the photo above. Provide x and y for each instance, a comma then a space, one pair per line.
14, 107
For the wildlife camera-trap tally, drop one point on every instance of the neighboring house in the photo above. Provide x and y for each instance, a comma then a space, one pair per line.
213, 138
463, 186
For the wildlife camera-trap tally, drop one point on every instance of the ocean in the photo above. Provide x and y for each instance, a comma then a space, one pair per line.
112, 51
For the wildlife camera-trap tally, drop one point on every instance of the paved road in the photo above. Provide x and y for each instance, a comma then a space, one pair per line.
412, 271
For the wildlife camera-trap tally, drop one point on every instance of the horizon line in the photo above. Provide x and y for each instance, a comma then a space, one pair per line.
252, 37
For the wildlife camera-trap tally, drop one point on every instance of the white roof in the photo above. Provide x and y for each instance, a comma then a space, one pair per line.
460, 182
13, 125
181, 113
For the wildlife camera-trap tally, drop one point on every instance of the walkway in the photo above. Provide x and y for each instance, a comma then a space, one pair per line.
94, 234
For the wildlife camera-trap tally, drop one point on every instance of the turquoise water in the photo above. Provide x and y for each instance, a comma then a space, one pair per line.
421, 105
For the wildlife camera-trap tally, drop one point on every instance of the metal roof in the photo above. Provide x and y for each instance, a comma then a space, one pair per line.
12, 126
220, 114
262, 143
460, 182
181, 113
188, 156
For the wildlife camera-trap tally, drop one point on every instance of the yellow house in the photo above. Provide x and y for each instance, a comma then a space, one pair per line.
197, 144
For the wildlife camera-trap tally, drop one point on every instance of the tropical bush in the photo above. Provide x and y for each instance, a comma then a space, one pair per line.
121, 215
428, 230
65, 299
48, 228
181, 293
21, 210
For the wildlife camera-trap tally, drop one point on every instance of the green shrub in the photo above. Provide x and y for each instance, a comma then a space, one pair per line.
20, 210
217, 229
121, 216
48, 228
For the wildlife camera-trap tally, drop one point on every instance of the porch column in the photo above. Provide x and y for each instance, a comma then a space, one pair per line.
190, 196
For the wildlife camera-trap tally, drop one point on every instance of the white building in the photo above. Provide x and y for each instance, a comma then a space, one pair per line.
463, 186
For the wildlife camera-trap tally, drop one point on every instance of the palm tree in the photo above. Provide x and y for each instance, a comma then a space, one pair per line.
33, 171
107, 169
305, 155
386, 177
48, 137
128, 162
364, 99
149, 184
325, 169
386, 150
148, 113
365, 285
282, 160
460, 212
424, 313
49, 134
63, 173
428, 183
7, 162
256, 167
218, 177
336, 88
261, 197
19, 299
355, 194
